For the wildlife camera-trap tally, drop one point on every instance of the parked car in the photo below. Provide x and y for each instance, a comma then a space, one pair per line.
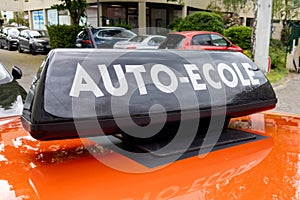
104, 37
9, 37
36, 41
141, 42
203, 40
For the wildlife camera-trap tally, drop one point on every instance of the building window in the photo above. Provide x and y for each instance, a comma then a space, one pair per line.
116, 14
249, 22
91, 18
63, 17
52, 16
38, 20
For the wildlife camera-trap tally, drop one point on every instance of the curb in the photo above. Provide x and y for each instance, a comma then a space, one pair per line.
283, 81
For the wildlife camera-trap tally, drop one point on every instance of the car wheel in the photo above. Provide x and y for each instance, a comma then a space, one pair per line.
1, 46
9, 47
20, 49
32, 51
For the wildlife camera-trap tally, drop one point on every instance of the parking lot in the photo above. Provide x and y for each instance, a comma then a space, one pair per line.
285, 89
27, 62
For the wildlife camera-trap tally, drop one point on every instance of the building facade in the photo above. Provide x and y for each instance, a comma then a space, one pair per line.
136, 13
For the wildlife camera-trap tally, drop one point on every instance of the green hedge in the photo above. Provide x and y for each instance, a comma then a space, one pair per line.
277, 52
239, 35
201, 21
63, 36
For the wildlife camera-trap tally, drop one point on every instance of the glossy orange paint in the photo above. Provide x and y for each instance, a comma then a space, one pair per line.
66, 169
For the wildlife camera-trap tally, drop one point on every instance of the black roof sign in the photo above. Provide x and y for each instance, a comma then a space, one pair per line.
76, 84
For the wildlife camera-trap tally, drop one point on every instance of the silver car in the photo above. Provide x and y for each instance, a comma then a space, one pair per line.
141, 42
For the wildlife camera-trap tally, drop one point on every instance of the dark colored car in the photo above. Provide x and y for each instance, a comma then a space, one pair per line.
12, 95
194, 40
104, 37
36, 41
9, 37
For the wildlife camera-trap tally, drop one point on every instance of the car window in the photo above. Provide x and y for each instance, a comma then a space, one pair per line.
26, 34
127, 34
201, 39
5, 31
81, 34
13, 31
37, 34
116, 33
43, 33
109, 33
155, 41
218, 40
34, 34
138, 39
22, 34
173, 41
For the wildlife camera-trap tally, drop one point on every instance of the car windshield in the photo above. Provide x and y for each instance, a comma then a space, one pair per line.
138, 39
173, 41
13, 31
37, 34
4, 75
116, 33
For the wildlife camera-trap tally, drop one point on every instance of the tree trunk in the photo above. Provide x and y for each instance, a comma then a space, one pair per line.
254, 25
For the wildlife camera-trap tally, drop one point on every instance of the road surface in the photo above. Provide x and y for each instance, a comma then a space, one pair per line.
28, 63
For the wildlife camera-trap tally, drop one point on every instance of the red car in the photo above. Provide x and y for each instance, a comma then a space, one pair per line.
257, 157
194, 40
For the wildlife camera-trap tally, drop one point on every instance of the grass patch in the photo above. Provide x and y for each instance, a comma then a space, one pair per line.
277, 74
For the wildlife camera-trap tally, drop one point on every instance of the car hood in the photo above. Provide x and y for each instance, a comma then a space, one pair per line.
42, 39
82, 168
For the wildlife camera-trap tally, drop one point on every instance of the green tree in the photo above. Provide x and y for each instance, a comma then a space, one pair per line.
240, 35
76, 8
19, 18
285, 9
228, 5
202, 21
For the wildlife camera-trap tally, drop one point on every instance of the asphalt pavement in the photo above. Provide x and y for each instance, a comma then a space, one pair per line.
28, 63
287, 90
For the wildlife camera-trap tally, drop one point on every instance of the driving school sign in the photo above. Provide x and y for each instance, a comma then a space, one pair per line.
229, 75
139, 79
107, 85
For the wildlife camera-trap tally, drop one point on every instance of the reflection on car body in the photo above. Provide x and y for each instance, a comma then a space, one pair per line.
12, 95
65, 169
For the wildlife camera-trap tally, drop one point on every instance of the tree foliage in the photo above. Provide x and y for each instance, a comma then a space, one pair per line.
63, 36
228, 5
202, 21
282, 9
76, 8
240, 35
285, 9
